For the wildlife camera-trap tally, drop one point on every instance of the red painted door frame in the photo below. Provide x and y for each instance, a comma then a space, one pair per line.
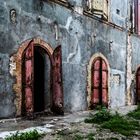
28, 78
57, 105
99, 83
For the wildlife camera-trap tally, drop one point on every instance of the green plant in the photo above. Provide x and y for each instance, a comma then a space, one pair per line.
90, 136
121, 125
78, 137
115, 123
100, 117
32, 135
135, 114
112, 138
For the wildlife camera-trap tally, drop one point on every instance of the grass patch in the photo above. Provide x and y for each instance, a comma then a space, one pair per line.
90, 136
121, 125
112, 138
78, 137
100, 117
115, 123
32, 135
135, 114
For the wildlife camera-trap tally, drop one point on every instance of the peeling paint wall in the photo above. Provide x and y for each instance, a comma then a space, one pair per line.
119, 12
80, 37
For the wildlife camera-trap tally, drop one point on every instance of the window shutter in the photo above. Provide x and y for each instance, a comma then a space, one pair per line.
100, 8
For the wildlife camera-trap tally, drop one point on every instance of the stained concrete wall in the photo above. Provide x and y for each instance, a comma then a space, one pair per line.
80, 37
119, 12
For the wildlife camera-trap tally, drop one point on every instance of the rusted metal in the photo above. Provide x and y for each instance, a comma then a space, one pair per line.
138, 86
57, 106
99, 83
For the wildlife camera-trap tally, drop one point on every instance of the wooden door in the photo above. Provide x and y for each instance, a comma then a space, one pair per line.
99, 83
28, 79
104, 83
57, 103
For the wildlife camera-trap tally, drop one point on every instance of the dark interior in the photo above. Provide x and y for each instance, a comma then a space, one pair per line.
39, 74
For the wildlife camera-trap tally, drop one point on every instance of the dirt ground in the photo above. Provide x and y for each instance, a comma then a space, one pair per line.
67, 127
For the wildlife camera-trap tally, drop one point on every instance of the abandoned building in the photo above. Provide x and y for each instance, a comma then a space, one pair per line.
68, 55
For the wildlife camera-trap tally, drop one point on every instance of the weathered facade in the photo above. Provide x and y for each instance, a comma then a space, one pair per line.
100, 55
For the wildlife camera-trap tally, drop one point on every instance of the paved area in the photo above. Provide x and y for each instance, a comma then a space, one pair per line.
52, 124
41, 124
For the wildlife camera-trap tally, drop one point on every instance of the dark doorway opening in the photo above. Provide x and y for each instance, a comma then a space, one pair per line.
39, 77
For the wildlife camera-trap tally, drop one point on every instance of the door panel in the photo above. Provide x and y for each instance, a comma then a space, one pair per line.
104, 66
57, 82
95, 96
28, 71
104, 97
28, 80
96, 65
104, 79
28, 101
96, 79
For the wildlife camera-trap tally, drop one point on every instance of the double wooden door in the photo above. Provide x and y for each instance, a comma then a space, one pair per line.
28, 79
99, 81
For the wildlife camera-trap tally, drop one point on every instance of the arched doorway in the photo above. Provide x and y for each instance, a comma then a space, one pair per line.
137, 96
36, 67
41, 90
99, 83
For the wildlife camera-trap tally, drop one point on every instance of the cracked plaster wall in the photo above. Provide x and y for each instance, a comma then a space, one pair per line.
80, 37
